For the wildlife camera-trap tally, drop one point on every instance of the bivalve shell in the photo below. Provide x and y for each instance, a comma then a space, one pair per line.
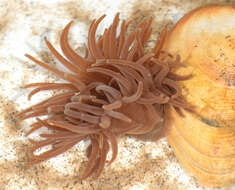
204, 141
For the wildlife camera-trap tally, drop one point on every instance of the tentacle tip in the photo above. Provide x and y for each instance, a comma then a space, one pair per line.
71, 22
104, 125
167, 25
24, 117
191, 76
49, 110
19, 117
50, 122
109, 162
27, 134
18, 114
83, 177
104, 107
96, 177
25, 86
27, 165
66, 75
26, 55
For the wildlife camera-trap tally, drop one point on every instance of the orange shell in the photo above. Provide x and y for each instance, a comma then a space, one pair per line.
205, 142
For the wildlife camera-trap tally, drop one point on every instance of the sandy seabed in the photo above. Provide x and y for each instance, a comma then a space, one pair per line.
141, 165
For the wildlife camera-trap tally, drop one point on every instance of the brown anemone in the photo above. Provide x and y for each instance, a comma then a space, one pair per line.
116, 88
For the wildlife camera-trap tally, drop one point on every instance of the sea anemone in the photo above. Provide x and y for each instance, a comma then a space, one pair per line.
117, 88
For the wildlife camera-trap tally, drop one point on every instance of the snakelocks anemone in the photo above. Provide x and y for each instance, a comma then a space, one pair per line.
119, 87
